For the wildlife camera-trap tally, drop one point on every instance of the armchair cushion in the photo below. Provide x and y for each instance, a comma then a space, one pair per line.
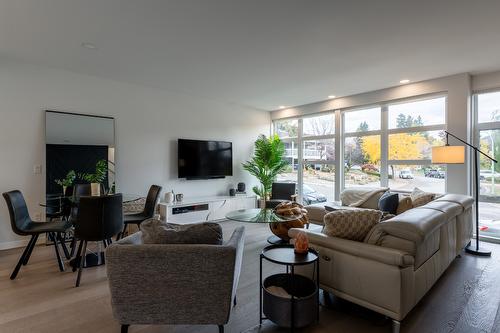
351, 224
157, 232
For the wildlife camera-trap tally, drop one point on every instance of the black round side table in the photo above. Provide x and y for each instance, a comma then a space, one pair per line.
297, 302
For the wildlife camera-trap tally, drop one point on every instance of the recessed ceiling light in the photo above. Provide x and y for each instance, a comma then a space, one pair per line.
89, 46
404, 81
331, 96
282, 106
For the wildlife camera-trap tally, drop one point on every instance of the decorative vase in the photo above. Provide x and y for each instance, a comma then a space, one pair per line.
95, 189
169, 197
64, 190
301, 244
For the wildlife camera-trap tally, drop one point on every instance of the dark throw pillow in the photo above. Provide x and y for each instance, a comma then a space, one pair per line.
388, 202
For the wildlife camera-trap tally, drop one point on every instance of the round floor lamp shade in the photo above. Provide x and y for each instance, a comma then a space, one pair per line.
448, 155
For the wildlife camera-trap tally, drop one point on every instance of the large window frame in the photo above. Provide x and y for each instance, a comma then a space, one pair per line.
477, 128
339, 137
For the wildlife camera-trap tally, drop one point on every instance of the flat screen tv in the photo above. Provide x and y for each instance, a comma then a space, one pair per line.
204, 159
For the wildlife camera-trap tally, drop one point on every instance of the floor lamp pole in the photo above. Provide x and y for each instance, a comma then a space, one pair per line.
470, 249
476, 250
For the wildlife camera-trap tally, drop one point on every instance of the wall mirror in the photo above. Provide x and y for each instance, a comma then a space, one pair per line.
79, 150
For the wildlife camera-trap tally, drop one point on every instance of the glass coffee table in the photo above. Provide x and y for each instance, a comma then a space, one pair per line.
262, 215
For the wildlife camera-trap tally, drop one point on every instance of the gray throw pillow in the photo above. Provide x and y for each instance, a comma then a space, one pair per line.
157, 232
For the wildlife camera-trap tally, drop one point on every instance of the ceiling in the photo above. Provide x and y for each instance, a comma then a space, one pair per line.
259, 53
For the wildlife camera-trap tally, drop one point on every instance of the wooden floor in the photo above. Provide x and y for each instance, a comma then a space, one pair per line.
41, 299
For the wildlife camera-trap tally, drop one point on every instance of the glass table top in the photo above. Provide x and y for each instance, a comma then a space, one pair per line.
257, 215
56, 200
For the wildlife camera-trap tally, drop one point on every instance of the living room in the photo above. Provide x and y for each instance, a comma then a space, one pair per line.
361, 102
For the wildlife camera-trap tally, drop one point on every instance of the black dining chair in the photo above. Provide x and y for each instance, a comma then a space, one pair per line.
23, 225
147, 213
281, 192
99, 219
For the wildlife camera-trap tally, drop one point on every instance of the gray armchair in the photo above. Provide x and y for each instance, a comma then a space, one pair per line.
174, 284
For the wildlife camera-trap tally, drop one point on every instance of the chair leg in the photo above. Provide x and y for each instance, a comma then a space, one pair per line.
121, 234
78, 256
31, 244
73, 247
63, 245
396, 325
124, 328
58, 255
21, 260
221, 328
82, 259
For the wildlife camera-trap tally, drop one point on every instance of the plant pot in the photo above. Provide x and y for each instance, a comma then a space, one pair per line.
95, 189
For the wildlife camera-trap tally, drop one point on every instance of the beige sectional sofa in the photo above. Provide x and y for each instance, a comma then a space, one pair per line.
399, 260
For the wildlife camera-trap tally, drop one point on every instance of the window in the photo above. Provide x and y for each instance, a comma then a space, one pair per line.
487, 136
362, 151
314, 148
414, 127
287, 128
383, 145
418, 113
362, 120
318, 159
288, 131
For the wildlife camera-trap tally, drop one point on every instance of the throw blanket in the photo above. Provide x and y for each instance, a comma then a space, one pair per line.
356, 196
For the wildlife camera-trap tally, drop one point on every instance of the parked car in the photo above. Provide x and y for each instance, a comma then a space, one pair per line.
310, 196
435, 173
430, 172
356, 167
405, 174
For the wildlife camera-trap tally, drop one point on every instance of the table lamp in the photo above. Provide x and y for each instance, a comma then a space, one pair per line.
456, 155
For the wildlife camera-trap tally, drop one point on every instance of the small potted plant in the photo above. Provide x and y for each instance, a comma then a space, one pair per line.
67, 181
97, 178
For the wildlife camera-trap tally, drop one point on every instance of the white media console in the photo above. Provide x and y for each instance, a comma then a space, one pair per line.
204, 209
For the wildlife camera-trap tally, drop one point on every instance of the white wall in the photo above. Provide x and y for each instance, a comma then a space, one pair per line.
458, 89
486, 81
148, 122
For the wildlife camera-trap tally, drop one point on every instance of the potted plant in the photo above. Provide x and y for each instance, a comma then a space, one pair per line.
67, 181
97, 178
266, 164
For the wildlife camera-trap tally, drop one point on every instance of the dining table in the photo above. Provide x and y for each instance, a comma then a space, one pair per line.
58, 202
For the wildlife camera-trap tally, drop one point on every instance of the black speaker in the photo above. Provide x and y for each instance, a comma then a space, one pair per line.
241, 187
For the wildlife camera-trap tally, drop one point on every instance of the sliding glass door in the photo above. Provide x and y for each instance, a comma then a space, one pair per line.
487, 135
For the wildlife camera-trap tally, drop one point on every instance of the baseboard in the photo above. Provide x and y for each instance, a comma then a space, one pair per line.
20, 243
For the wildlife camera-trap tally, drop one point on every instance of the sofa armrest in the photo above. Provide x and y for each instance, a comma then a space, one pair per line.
368, 251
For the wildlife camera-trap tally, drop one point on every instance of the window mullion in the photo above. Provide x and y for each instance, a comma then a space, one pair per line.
384, 147
300, 156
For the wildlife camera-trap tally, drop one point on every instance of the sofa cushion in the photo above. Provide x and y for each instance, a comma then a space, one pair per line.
363, 197
158, 232
388, 202
351, 224
404, 204
420, 198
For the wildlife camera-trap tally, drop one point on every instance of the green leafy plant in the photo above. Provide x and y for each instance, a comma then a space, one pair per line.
267, 163
101, 169
68, 180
